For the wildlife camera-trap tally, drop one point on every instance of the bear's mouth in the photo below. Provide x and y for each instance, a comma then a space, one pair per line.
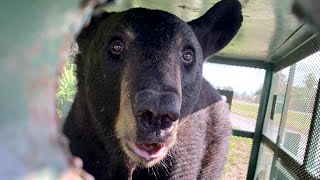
148, 151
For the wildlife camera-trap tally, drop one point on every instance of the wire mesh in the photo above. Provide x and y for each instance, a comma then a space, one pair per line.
280, 172
297, 115
292, 119
313, 146
238, 158
246, 84
275, 104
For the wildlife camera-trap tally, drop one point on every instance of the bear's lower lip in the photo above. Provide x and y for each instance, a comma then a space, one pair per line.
148, 151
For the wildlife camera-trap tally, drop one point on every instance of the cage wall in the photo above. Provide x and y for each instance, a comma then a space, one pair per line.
291, 125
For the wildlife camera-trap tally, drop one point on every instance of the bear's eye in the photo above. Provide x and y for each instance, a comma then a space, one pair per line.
116, 47
187, 56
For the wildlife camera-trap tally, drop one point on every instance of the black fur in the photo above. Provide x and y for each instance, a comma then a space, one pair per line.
151, 62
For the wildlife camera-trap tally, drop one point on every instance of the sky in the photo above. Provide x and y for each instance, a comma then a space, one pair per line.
241, 79
249, 80
310, 64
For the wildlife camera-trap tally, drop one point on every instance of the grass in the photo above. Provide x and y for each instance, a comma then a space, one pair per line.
296, 120
249, 110
67, 88
238, 158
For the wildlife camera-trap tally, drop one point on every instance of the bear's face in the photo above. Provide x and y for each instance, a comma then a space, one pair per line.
141, 72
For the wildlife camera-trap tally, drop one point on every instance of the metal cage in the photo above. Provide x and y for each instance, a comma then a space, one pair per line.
276, 120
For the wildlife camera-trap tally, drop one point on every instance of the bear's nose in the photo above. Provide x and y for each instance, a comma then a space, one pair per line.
156, 110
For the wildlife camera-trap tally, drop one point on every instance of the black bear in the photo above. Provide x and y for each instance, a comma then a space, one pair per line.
142, 109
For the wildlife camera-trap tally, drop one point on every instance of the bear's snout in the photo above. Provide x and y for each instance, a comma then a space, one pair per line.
156, 110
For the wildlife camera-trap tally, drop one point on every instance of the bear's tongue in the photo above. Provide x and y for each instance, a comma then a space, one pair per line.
148, 151
150, 148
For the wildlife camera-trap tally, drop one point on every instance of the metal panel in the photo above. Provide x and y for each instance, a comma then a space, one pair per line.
34, 40
259, 125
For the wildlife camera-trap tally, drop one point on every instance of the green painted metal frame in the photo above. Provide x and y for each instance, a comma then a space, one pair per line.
286, 160
245, 134
313, 44
259, 124
240, 62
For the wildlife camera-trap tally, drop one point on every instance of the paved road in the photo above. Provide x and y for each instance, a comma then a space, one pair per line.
242, 123
246, 124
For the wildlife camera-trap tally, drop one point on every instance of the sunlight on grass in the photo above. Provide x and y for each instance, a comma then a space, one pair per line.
249, 110
67, 89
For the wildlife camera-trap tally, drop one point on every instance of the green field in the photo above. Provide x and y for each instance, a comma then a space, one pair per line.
238, 158
295, 119
249, 110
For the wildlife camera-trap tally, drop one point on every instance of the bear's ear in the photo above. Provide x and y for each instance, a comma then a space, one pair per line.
217, 26
88, 32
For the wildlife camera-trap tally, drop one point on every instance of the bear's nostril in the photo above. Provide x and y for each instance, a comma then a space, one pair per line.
148, 120
166, 117
145, 116
166, 121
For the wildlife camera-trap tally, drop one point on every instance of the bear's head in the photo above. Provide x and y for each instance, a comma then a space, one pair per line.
140, 71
